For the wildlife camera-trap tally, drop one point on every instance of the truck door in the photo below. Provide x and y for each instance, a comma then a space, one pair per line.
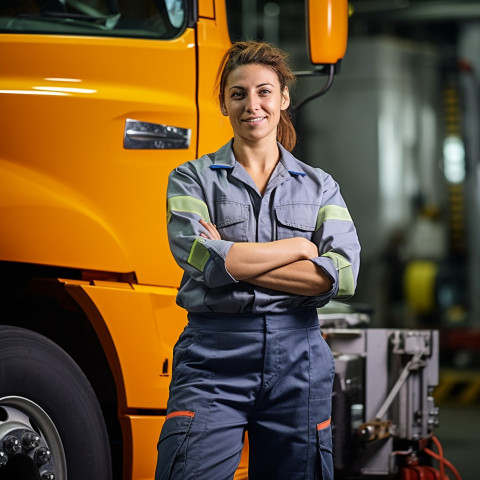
98, 104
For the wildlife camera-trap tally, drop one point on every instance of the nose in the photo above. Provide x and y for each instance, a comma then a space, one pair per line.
252, 103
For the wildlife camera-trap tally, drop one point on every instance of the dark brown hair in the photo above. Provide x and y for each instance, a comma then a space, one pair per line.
261, 53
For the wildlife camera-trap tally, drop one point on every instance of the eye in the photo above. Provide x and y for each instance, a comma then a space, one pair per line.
264, 91
237, 94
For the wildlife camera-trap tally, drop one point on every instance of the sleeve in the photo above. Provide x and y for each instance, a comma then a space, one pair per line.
202, 259
337, 241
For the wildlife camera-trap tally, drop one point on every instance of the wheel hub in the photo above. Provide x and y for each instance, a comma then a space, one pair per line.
30, 446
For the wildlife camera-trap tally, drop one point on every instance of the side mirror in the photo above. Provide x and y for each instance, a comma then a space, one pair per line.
327, 27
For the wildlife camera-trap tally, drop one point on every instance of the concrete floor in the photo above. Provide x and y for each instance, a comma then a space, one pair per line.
459, 434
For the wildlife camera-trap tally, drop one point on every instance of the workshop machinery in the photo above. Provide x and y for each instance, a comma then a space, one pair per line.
383, 410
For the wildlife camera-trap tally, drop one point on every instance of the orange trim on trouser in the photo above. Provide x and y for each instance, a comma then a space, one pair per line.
325, 424
180, 413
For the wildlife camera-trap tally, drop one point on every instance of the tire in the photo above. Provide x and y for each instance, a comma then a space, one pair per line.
51, 424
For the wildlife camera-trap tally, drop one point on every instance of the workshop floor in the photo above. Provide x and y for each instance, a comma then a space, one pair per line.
459, 435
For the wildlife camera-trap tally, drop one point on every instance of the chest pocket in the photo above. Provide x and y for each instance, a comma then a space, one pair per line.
296, 220
231, 219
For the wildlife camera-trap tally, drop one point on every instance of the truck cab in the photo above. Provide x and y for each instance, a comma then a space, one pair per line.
100, 100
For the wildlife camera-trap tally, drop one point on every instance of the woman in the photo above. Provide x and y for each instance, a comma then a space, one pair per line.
264, 240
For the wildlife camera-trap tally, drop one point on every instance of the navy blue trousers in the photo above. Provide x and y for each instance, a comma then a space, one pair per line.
269, 374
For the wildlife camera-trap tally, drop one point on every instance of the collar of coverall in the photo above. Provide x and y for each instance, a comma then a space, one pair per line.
224, 159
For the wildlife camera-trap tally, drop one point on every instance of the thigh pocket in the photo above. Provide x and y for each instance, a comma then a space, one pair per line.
324, 450
172, 446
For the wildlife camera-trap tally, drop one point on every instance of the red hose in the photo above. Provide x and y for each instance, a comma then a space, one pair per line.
442, 460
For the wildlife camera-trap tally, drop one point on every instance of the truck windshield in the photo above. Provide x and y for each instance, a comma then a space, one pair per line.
117, 18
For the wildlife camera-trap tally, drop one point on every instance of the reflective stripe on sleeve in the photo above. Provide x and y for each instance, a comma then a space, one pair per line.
346, 284
199, 255
185, 203
332, 212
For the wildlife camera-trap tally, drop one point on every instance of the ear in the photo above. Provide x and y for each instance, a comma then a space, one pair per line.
223, 109
285, 99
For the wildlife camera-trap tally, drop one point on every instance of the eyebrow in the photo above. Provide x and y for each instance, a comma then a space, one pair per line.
258, 86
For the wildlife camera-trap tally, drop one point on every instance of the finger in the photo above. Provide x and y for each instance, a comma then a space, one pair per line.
209, 226
213, 232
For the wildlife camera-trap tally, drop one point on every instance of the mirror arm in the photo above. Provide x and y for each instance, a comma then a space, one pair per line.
327, 70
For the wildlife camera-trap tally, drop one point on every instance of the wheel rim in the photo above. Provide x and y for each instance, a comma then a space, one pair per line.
29, 441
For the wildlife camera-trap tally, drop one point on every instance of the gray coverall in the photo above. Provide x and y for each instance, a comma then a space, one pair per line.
252, 358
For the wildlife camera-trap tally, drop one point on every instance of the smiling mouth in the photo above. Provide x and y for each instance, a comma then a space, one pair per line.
254, 120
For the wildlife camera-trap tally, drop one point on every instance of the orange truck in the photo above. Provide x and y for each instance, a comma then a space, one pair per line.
99, 101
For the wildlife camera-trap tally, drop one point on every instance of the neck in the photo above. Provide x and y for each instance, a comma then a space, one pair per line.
259, 156
258, 159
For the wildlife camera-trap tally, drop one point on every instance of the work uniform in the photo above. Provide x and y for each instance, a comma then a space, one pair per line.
252, 358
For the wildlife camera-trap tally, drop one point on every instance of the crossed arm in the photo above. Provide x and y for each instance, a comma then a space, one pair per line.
281, 265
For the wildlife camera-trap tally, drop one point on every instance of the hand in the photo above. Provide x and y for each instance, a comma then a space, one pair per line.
212, 232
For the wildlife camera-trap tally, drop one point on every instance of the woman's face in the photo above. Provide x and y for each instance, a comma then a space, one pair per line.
253, 99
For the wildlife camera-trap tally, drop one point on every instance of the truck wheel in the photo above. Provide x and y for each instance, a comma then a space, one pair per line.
51, 425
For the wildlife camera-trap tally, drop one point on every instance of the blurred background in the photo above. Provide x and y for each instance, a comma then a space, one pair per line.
400, 132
